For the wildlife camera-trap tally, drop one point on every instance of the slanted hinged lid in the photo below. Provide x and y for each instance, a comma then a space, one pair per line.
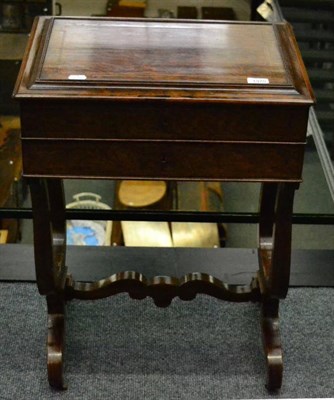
152, 59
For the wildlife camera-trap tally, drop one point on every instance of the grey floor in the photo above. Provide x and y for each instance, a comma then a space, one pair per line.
123, 349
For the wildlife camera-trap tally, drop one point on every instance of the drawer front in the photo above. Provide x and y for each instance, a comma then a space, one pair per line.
164, 121
162, 160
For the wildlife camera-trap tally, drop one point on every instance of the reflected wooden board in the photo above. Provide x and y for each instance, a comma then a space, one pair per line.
143, 233
158, 234
7, 123
3, 236
10, 155
141, 193
192, 234
12, 46
10, 172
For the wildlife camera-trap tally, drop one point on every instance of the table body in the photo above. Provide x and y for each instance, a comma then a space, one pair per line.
150, 99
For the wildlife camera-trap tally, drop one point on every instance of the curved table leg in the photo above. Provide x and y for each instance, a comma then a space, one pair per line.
275, 238
50, 251
274, 259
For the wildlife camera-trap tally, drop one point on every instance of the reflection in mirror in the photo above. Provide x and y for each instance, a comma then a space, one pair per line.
312, 197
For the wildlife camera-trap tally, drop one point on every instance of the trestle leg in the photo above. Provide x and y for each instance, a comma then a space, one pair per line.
274, 252
50, 250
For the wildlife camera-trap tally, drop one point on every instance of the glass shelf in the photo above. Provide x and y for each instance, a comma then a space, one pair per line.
238, 202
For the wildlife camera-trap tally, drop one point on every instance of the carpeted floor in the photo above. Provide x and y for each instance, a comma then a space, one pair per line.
119, 348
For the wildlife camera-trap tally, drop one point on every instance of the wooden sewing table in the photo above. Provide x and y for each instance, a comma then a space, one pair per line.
172, 100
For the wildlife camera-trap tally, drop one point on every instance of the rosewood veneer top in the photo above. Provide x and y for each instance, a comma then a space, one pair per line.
103, 58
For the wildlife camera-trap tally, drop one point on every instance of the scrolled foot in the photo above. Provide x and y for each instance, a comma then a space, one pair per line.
272, 344
55, 347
